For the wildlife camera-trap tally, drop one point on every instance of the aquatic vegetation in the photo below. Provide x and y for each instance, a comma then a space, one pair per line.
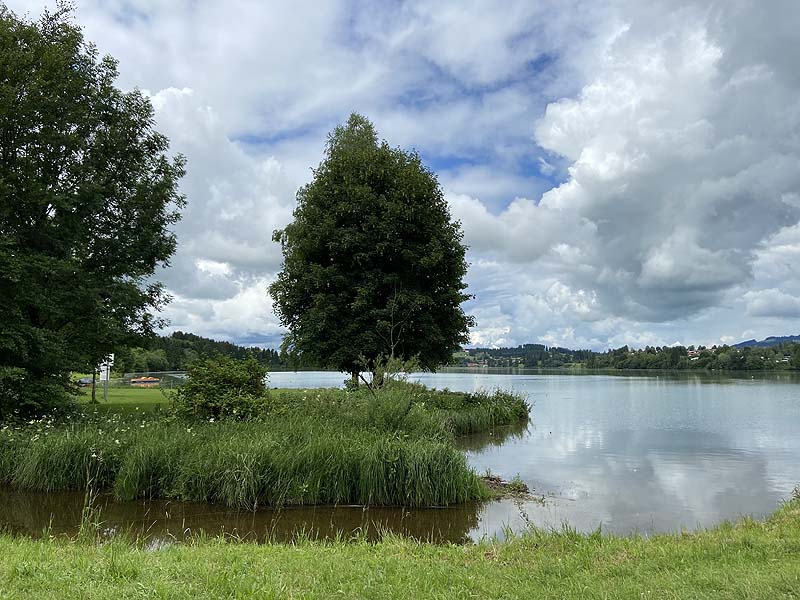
304, 447
407, 407
243, 464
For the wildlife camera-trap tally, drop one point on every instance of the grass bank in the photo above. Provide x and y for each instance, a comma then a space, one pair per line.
411, 409
747, 560
302, 447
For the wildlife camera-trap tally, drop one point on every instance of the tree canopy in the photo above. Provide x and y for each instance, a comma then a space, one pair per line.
373, 263
87, 197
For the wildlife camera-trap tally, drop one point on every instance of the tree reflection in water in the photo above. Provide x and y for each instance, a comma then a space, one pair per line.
156, 522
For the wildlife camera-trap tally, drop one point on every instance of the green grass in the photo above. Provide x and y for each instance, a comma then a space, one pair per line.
240, 464
410, 408
305, 447
455, 412
126, 395
125, 399
747, 560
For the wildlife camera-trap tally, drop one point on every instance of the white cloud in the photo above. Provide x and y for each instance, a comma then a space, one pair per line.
625, 172
225, 248
246, 314
684, 159
772, 303
682, 183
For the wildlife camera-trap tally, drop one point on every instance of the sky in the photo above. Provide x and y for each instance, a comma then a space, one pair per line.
625, 172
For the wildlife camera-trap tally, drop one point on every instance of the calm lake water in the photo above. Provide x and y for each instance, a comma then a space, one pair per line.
626, 453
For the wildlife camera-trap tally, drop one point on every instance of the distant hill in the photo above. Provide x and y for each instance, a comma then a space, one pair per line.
771, 354
770, 341
175, 352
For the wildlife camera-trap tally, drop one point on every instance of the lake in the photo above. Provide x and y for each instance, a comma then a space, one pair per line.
620, 452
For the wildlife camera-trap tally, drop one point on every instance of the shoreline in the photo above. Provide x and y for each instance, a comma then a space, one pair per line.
747, 559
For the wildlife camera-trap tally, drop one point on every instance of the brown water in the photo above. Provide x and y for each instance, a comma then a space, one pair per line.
160, 521
624, 453
163, 521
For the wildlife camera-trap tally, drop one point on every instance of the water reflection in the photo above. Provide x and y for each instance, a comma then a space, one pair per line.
628, 452
164, 521
647, 480
496, 437
652, 454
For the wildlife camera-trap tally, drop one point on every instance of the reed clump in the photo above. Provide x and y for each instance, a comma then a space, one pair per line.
407, 407
245, 465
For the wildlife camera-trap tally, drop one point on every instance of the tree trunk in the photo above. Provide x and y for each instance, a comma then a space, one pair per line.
377, 379
94, 379
354, 379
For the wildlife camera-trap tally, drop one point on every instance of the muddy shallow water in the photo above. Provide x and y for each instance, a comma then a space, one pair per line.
159, 521
642, 453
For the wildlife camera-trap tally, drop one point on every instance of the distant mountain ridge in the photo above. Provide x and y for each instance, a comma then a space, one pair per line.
769, 341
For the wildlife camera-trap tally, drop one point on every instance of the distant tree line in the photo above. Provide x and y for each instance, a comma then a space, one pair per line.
179, 350
783, 356
526, 355
723, 358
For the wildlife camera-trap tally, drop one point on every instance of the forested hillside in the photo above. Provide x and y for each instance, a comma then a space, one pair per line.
780, 356
177, 351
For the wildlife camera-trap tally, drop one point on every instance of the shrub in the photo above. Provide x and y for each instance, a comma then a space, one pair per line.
23, 395
223, 387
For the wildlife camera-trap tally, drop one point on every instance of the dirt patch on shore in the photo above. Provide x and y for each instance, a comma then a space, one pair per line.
516, 488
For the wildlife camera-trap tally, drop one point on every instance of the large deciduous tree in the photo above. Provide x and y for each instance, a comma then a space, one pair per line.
373, 263
87, 198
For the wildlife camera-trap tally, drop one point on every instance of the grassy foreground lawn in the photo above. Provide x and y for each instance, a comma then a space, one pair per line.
747, 560
125, 399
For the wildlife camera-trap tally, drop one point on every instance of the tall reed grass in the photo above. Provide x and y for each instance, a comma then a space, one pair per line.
312, 447
246, 465
407, 407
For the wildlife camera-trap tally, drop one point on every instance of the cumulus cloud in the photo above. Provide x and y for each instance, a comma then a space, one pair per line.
245, 315
225, 248
625, 172
685, 161
248, 92
772, 303
778, 260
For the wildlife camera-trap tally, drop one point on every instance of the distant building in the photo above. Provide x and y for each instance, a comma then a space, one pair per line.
145, 381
